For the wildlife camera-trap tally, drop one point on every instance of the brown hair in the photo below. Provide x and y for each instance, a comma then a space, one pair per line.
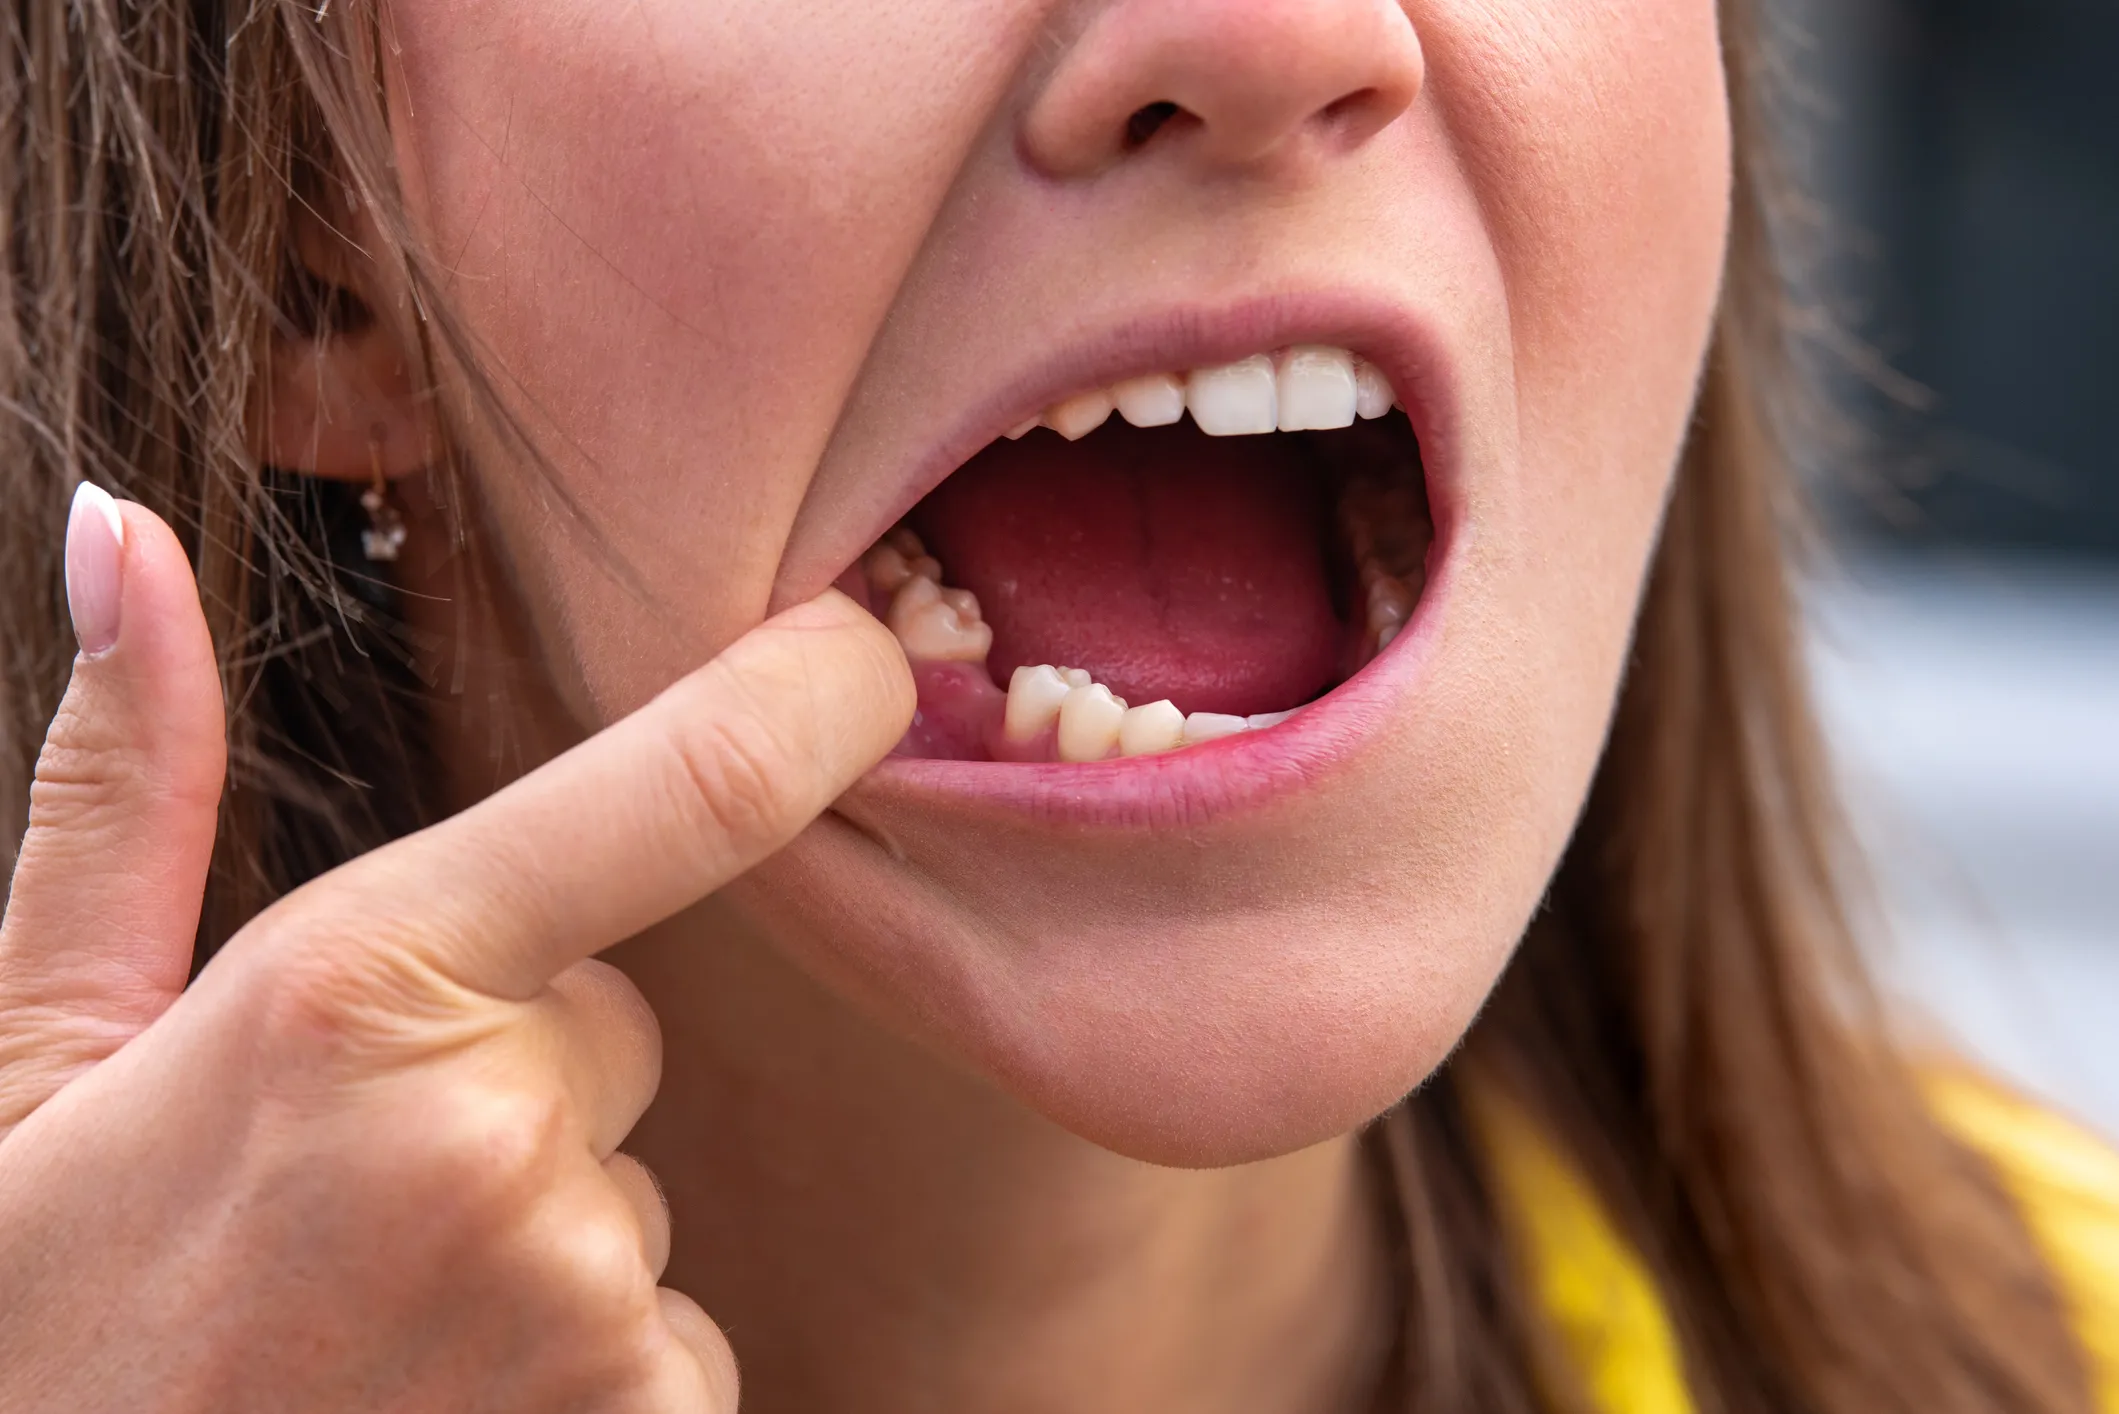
1687, 1014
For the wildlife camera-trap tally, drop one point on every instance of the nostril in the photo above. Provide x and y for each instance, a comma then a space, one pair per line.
1340, 108
1147, 121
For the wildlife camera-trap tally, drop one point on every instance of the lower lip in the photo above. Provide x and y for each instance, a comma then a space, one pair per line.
1219, 780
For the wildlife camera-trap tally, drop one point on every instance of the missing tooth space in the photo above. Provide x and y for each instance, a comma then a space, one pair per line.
1368, 493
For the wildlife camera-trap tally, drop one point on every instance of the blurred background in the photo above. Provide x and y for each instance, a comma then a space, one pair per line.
1967, 629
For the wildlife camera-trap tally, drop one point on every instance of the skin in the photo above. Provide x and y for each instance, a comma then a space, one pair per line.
960, 1110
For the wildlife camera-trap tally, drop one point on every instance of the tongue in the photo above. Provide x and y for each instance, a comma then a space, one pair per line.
1167, 563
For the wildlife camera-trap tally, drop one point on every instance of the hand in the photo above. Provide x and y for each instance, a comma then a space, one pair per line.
369, 1161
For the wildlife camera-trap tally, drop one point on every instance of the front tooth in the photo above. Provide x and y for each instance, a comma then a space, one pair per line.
1024, 428
1372, 391
1235, 400
1089, 719
1270, 719
1080, 415
1150, 729
931, 630
1156, 400
1212, 726
1034, 698
1316, 388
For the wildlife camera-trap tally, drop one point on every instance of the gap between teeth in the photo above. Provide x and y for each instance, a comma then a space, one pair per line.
1304, 388
1385, 530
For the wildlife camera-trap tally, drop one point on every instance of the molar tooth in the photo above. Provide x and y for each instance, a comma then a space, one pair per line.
938, 634
1079, 415
1390, 602
1212, 726
1316, 388
886, 568
1155, 400
1386, 634
902, 539
934, 632
964, 602
1271, 719
1034, 698
1089, 720
1076, 677
1147, 730
1235, 400
1372, 391
926, 567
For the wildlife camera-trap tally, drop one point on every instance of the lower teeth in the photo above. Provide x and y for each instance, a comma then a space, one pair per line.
1054, 713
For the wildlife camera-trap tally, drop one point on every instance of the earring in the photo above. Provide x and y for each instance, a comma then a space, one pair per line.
385, 535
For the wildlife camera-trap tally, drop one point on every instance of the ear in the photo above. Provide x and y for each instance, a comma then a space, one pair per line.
341, 397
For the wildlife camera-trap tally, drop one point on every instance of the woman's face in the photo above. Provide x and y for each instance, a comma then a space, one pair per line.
760, 274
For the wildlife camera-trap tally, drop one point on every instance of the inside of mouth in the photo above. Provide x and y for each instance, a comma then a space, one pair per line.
1136, 590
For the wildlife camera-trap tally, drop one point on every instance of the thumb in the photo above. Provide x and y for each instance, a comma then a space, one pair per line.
101, 915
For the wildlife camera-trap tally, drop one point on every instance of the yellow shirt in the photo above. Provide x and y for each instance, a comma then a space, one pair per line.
1611, 1319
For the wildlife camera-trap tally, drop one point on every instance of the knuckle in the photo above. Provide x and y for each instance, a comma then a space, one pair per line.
321, 999
89, 763
485, 1156
81, 771
615, 999
708, 1345
737, 776
600, 1258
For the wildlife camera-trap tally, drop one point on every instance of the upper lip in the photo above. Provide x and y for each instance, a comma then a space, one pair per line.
1406, 346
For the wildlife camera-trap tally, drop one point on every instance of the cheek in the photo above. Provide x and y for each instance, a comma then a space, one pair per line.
1598, 138
671, 229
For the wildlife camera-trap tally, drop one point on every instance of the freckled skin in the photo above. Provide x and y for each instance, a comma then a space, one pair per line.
752, 259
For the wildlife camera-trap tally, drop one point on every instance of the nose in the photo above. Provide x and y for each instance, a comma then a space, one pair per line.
1240, 83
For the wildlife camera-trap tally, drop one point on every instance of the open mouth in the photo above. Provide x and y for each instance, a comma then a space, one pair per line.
1231, 546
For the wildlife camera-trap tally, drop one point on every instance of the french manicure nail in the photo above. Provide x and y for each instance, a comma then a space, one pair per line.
95, 568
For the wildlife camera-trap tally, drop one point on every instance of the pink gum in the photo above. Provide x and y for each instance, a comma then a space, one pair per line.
959, 716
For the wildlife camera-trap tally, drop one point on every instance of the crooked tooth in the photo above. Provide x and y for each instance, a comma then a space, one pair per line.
1034, 698
1212, 726
1150, 729
1372, 391
1080, 415
1089, 719
1235, 400
931, 630
1156, 400
1316, 388
1270, 719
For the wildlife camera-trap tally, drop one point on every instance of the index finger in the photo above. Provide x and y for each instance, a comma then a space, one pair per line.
643, 819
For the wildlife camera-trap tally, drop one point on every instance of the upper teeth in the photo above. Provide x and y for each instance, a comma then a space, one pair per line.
1308, 387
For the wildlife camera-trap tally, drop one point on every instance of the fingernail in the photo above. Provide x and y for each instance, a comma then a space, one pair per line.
95, 568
